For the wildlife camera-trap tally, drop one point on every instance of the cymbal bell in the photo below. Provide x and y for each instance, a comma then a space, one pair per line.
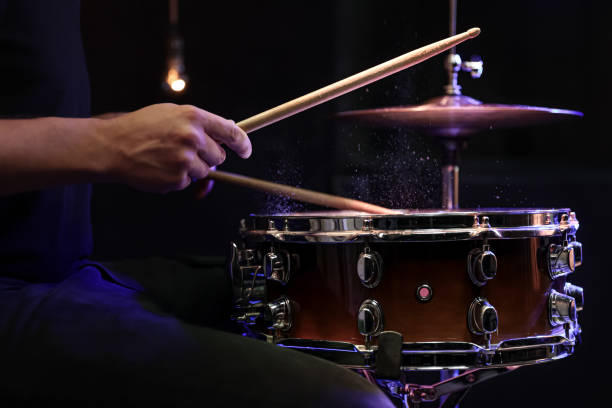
459, 115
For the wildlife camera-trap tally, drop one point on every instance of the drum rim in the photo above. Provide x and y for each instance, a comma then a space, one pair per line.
421, 225
506, 353
419, 212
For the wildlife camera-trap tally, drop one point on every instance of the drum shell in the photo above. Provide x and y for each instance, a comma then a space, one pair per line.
328, 292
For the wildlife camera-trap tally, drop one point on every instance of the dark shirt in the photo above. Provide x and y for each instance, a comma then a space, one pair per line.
43, 73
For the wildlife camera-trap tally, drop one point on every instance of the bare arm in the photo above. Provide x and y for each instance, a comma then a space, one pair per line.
159, 148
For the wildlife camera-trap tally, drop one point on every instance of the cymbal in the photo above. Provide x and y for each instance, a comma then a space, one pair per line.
459, 115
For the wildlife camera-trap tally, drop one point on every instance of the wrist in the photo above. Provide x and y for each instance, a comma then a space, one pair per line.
102, 164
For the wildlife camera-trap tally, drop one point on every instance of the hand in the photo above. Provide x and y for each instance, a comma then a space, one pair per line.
202, 187
163, 147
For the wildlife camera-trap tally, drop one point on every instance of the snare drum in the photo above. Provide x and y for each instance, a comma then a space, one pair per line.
443, 289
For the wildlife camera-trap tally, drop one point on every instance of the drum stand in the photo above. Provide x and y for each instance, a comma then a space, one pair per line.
449, 392
453, 389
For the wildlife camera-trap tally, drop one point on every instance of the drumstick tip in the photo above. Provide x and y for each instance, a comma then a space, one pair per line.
473, 32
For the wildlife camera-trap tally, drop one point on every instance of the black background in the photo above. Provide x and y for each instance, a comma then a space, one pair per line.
245, 57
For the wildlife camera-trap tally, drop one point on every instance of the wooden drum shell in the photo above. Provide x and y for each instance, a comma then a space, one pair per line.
328, 292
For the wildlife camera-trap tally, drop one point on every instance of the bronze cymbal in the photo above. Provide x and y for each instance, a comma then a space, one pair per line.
456, 116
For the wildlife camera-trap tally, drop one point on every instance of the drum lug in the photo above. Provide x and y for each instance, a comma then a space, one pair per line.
481, 265
369, 268
248, 316
482, 317
279, 314
247, 278
561, 308
370, 319
277, 266
577, 293
563, 259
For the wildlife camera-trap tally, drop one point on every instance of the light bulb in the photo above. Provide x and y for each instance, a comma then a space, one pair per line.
175, 80
178, 85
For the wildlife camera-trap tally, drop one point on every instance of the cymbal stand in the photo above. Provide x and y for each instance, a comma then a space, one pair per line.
450, 161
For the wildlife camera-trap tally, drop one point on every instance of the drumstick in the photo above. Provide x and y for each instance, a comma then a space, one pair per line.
353, 82
300, 194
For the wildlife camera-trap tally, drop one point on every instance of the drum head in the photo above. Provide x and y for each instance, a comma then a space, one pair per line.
410, 225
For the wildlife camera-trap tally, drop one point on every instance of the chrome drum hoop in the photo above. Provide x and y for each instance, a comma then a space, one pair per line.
435, 356
412, 226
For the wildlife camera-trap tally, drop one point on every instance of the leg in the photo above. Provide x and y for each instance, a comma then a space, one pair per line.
88, 341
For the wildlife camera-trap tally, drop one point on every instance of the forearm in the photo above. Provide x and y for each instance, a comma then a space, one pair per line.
47, 152
159, 148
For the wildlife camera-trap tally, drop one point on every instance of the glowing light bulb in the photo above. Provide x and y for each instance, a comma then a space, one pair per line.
175, 80
177, 85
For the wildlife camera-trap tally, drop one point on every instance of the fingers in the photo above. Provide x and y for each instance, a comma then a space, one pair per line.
202, 187
225, 131
210, 151
198, 170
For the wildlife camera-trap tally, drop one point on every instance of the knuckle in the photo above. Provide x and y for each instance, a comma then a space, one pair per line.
189, 136
181, 180
183, 134
222, 156
235, 134
182, 160
190, 112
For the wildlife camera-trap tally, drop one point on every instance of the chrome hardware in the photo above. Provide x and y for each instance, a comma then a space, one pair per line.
481, 265
454, 64
421, 226
424, 293
277, 266
474, 66
577, 293
563, 259
476, 222
370, 318
561, 308
248, 279
279, 314
248, 316
455, 386
427, 356
482, 317
485, 222
369, 268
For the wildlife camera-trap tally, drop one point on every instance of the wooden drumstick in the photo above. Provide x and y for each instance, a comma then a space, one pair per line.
353, 82
300, 194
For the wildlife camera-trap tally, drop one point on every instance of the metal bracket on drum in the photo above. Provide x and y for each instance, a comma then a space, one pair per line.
247, 277
369, 268
277, 266
249, 283
456, 387
276, 315
481, 265
564, 259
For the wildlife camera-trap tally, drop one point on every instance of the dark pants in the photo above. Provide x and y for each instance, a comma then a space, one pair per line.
102, 338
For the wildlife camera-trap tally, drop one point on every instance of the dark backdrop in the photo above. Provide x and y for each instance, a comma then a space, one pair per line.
244, 57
